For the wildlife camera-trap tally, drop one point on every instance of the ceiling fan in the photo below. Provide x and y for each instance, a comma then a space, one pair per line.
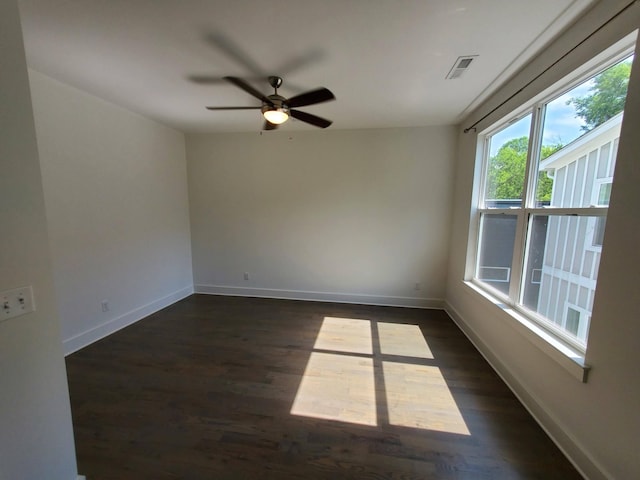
277, 109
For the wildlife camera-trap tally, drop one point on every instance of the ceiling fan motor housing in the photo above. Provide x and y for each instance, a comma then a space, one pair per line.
277, 103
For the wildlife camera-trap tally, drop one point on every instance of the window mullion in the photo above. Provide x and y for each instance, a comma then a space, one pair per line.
528, 200
518, 256
533, 156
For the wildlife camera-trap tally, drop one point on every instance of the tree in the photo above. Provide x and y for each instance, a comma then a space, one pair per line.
607, 96
505, 176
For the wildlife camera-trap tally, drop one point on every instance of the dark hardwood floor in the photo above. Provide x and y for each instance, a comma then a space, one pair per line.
241, 388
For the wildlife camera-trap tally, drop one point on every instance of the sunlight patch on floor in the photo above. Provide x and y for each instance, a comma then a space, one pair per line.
337, 387
403, 339
344, 335
339, 382
418, 397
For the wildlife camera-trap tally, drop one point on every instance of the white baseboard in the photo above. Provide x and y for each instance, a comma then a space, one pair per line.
568, 445
410, 302
94, 334
81, 477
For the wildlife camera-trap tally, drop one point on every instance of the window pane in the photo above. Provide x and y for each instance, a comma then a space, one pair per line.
598, 233
573, 320
507, 164
496, 250
561, 250
604, 194
580, 138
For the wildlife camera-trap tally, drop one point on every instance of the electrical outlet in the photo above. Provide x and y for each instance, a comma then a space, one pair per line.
416, 286
246, 275
16, 302
104, 306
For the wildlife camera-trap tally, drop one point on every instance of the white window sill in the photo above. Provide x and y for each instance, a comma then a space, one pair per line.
570, 359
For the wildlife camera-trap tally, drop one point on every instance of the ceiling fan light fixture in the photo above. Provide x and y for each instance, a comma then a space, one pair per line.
276, 115
276, 109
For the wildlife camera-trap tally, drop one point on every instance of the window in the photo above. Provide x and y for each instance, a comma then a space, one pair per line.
572, 323
602, 200
547, 176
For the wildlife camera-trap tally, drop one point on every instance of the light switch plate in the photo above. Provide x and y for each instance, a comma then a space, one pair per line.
16, 302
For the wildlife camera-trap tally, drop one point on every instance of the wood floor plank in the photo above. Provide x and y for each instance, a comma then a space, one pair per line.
244, 388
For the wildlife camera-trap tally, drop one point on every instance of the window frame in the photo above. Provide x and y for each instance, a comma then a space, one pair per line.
528, 209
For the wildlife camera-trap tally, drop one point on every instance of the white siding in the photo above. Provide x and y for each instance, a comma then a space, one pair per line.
571, 259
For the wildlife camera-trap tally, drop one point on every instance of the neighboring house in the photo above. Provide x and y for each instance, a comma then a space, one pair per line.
583, 175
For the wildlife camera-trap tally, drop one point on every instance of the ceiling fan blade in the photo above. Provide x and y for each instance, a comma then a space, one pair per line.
312, 119
233, 108
205, 79
214, 80
310, 98
297, 63
238, 82
269, 126
233, 51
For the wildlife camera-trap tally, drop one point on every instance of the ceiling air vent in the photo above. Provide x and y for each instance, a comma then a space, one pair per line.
460, 66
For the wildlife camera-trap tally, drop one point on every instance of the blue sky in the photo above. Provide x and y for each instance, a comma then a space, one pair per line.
561, 124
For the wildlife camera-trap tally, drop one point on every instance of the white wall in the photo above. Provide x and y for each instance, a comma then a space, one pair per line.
595, 423
344, 215
115, 187
36, 438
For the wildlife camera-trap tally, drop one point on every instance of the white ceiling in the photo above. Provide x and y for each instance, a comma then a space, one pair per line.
385, 60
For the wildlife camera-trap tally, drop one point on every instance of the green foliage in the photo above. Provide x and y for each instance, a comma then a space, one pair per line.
505, 176
607, 96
